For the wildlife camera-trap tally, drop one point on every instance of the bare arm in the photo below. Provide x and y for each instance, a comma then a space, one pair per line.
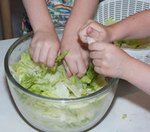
77, 59
112, 61
38, 14
137, 73
82, 11
45, 44
133, 27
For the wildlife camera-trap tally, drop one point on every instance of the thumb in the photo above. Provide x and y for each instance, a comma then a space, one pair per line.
93, 33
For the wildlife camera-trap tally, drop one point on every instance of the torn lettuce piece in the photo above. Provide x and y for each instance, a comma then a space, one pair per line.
110, 21
58, 61
134, 43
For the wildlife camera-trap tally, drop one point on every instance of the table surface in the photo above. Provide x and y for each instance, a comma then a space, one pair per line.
129, 112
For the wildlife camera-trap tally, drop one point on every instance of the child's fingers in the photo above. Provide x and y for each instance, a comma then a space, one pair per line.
93, 33
97, 46
83, 36
98, 69
67, 69
83, 31
97, 62
36, 54
31, 51
43, 55
96, 55
81, 68
51, 56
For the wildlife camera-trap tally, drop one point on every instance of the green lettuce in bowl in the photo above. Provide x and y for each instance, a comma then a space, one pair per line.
50, 101
45, 81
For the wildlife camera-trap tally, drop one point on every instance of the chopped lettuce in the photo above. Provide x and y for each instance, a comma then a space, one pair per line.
53, 82
57, 115
110, 21
134, 43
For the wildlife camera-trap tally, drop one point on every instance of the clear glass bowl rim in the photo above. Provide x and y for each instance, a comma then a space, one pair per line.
18, 86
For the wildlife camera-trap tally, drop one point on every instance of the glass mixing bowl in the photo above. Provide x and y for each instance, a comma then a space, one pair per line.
56, 114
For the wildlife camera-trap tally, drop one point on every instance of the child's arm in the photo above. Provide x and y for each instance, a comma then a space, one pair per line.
38, 14
137, 73
77, 59
136, 26
45, 45
133, 27
83, 10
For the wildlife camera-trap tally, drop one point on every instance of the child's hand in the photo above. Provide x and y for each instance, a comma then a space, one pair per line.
109, 59
44, 47
102, 34
76, 62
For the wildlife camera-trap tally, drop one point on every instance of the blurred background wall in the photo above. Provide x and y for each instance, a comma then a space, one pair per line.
16, 10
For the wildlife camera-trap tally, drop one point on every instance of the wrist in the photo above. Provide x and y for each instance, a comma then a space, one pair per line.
70, 33
117, 32
112, 33
44, 29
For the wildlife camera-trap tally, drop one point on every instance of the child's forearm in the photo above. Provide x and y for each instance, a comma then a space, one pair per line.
38, 14
137, 73
134, 27
82, 11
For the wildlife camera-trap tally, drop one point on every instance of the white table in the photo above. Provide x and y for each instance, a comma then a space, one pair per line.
128, 100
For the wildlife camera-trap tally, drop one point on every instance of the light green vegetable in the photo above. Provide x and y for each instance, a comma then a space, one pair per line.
110, 21
124, 116
53, 82
58, 115
134, 44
